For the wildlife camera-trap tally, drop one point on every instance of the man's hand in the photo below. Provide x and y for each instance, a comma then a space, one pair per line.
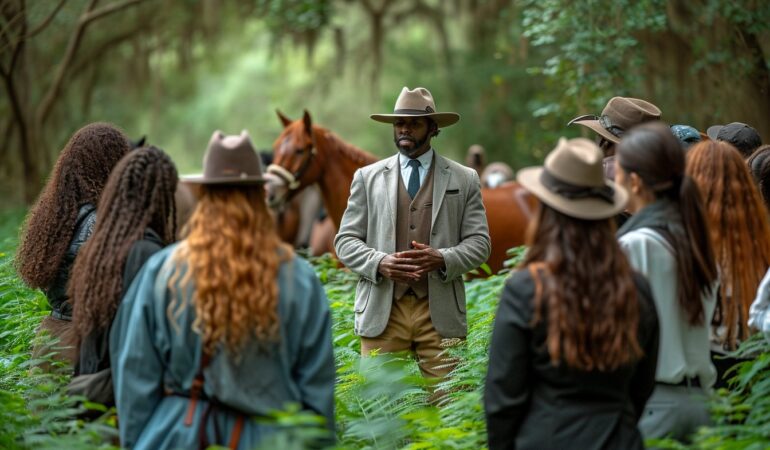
398, 269
425, 258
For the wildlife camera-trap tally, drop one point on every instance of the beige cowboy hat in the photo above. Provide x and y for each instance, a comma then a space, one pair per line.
572, 182
619, 116
229, 160
417, 102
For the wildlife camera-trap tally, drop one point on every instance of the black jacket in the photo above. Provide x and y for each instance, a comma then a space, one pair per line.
94, 349
57, 291
531, 404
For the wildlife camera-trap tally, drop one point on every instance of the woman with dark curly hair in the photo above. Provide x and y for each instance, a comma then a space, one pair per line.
136, 219
667, 239
63, 218
575, 341
224, 326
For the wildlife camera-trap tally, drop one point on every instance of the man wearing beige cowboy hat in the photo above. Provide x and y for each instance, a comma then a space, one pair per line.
620, 115
414, 225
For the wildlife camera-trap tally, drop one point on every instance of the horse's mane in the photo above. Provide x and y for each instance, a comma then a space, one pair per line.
350, 151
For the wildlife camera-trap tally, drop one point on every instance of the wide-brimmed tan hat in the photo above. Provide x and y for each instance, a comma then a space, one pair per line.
417, 102
572, 182
229, 160
619, 116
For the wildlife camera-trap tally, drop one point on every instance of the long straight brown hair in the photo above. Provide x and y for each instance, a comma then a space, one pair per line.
653, 153
586, 291
740, 230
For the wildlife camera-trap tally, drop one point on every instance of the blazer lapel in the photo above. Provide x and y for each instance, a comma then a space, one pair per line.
441, 176
390, 176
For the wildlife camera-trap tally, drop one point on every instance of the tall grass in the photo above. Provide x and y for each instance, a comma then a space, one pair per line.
381, 401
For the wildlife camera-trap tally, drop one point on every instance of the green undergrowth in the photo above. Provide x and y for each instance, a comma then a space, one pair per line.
381, 401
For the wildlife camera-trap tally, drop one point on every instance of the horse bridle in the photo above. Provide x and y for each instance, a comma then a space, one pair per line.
292, 180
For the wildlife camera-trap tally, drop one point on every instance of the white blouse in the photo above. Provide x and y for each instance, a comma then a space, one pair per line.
758, 317
684, 349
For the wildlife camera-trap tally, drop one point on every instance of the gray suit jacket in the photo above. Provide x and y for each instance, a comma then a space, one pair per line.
368, 233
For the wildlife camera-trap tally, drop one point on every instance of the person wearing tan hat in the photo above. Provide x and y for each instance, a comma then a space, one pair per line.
619, 116
413, 226
574, 346
226, 325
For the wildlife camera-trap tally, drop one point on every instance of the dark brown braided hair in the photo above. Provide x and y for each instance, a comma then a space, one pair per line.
77, 178
138, 195
586, 288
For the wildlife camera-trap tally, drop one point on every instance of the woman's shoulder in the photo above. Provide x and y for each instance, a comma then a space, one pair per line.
644, 236
518, 292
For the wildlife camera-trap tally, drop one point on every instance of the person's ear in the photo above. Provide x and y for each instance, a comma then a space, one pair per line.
637, 185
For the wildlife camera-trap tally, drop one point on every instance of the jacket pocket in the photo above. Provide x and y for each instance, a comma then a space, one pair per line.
459, 291
363, 291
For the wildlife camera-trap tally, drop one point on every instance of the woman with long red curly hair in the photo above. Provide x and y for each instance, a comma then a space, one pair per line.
223, 327
740, 237
575, 341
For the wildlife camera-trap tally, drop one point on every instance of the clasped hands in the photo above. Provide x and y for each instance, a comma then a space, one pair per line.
411, 265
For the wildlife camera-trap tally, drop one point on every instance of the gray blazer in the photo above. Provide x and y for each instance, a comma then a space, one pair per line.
368, 233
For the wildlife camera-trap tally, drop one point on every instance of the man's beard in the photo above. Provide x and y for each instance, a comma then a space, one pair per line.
406, 151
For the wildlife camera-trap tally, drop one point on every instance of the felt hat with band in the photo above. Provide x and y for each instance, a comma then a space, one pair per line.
229, 160
417, 102
619, 116
572, 182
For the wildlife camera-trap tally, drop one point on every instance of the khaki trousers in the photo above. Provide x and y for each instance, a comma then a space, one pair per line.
411, 329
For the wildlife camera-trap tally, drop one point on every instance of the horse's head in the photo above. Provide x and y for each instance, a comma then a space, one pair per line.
295, 163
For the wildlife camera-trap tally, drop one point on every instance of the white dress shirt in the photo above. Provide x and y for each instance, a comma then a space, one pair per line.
425, 161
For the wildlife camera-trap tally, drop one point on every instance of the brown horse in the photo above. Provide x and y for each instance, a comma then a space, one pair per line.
305, 153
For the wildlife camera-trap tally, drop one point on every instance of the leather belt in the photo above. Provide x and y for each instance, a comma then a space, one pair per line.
686, 381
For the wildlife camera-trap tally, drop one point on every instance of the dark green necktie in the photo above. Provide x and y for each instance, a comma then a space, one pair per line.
414, 178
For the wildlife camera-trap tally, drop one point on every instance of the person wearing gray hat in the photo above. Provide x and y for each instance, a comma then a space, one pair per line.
742, 136
574, 346
224, 326
413, 226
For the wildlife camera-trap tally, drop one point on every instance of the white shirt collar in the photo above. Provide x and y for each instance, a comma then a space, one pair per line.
425, 159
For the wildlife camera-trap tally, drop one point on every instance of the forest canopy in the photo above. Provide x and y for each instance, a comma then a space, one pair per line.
516, 71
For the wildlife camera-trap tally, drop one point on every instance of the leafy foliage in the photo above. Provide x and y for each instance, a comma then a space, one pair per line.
381, 401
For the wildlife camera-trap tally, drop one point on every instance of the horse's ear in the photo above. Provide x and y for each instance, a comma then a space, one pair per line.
308, 123
139, 143
284, 120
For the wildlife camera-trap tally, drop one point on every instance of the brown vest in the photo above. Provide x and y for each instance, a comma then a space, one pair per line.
413, 218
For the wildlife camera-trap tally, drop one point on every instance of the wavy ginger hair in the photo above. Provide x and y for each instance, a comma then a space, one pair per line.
585, 292
740, 229
233, 252
139, 195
